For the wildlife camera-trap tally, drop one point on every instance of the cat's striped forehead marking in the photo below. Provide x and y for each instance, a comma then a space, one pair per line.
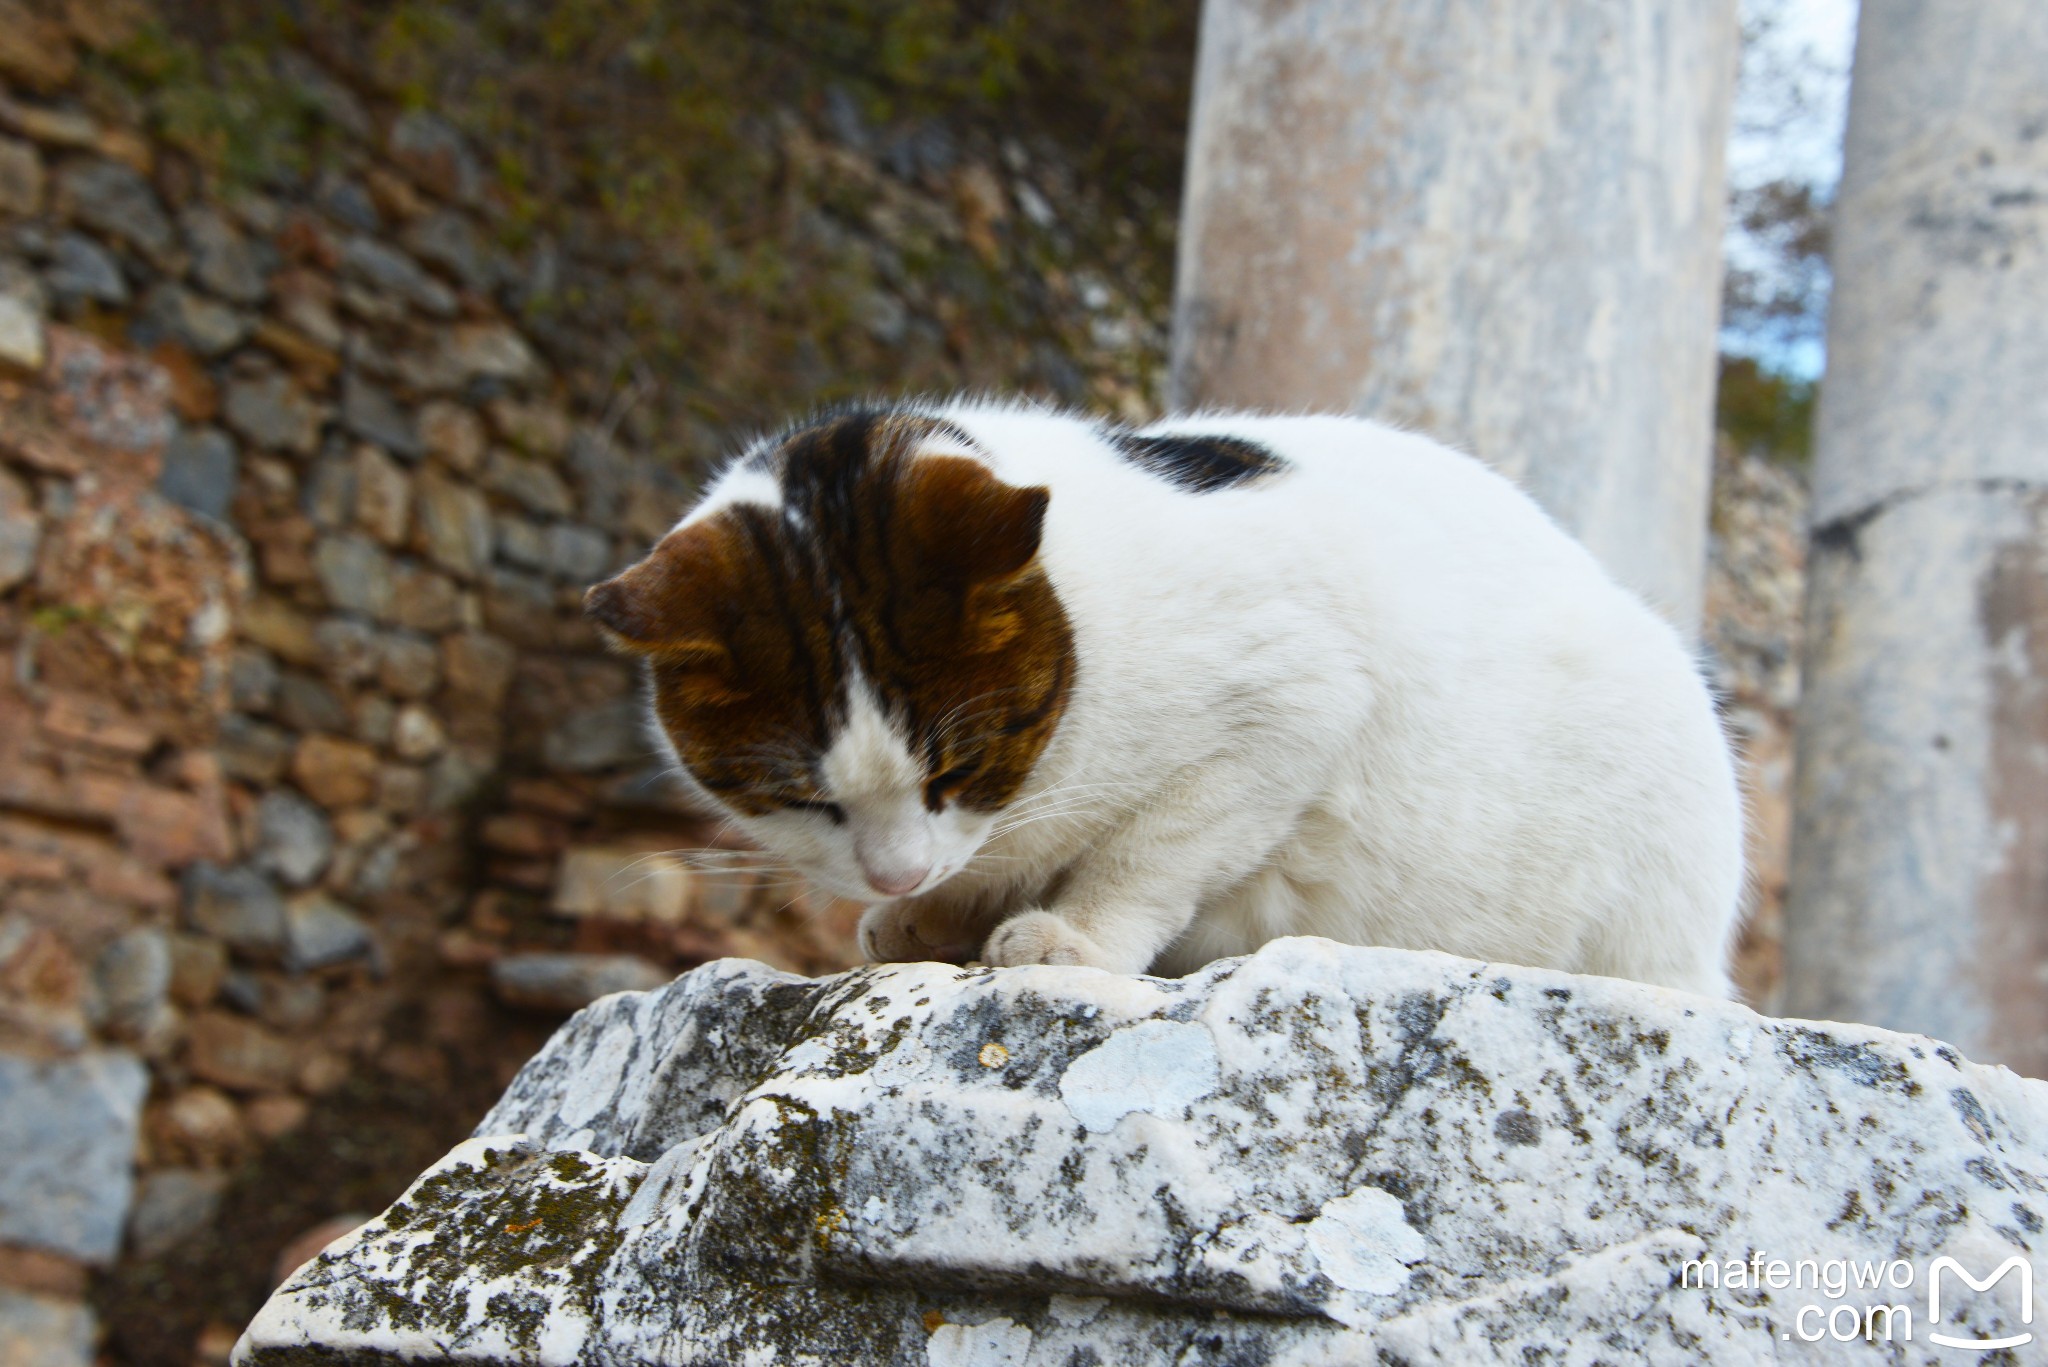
880, 562
1198, 464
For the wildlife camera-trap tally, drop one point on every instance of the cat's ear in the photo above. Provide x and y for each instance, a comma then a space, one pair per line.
967, 525
668, 604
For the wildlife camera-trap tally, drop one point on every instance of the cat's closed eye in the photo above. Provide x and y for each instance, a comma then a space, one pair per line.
943, 786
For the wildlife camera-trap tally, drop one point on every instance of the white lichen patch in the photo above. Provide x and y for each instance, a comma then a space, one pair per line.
994, 1343
1363, 1242
1157, 1066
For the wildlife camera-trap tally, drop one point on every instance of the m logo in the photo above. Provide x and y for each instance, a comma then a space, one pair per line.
2026, 1272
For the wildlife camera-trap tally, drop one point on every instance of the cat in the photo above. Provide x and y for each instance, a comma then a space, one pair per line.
1045, 690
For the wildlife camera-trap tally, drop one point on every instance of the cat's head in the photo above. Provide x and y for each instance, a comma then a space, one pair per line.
854, 649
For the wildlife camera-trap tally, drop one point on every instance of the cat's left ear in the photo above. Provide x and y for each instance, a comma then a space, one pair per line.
670, 603
967, 525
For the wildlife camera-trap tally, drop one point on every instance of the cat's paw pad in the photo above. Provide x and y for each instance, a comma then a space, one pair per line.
1039, 937
907, 932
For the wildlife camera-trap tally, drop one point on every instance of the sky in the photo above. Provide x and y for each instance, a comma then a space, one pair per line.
1790, 103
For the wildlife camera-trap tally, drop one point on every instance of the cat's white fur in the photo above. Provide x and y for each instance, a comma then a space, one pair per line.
1379, 697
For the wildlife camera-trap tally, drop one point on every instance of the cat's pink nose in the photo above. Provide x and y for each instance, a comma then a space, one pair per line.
895, 882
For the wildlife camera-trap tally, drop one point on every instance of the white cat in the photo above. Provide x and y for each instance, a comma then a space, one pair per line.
1054, 692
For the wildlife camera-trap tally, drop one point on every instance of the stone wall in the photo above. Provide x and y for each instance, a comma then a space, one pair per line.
301, 726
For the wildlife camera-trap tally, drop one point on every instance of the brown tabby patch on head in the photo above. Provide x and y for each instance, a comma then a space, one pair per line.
919, 576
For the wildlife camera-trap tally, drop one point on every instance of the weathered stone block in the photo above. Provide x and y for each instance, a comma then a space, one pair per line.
293, 838
21, 531
172, 1206
114, 201
68, 1130
568, 982
272, 411
1317, 1154
371, 414
320, 931
223, 260
628, 885
455, 523
238, 907
334, 772
44, 1331
199, 471
452, 433
81, 269
479, 667
600, 737
239, 1054
21, 178
383, 495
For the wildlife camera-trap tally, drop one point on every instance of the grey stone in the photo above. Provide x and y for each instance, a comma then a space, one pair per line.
237, 906
222, 259
174, 313
336, 103
529, 483
445, 238
81, 269
330, 497
436, 156
600, 737
113, 200
579, 555
252, 751
171, 312
455, 779
345, 198
304, 703
68, 1129
272, 411
44, 1331
21, 179
1319, 1154
320, 931
383, 502
455, 523
521, 542
22, 342
252, 678
293, 838
410, 666
355, 573
601, 474
424, 600
200, 470
569, 982
416, 734
484, 351
133, 978
376, 720
370, 413
21, 531
349, 650
387, 269
172, 1205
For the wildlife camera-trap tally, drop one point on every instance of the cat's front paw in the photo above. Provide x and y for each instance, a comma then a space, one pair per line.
916, 930
1039, 937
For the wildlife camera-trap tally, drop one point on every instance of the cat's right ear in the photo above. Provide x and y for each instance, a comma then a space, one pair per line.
668, 604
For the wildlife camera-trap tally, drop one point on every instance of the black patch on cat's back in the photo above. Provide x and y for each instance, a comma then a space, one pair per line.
1198, 464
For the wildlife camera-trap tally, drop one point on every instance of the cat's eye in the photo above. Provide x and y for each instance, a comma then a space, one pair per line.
832, 810
942, 787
